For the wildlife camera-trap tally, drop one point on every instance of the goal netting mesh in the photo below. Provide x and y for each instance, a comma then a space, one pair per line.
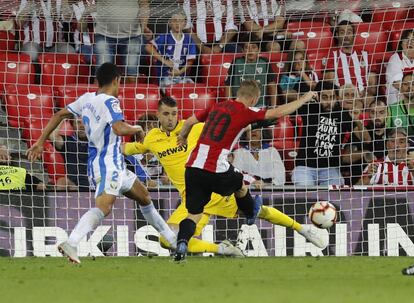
351, 147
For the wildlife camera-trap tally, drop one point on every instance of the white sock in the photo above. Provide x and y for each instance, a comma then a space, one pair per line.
88, 222
153, 217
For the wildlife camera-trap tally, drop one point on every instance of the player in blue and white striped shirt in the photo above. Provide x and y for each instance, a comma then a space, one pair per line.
104, 126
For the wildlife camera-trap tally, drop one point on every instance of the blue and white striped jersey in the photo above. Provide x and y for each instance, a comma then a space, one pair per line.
178, 51
98, 113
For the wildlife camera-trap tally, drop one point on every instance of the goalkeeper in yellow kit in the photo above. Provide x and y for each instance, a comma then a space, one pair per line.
162, 142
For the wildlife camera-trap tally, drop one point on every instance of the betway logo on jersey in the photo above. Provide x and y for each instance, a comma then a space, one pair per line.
172, 151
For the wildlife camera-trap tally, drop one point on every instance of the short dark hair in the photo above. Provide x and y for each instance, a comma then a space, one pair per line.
106, 73
379, 101
327, 85
404, 36
251, 38
168, 101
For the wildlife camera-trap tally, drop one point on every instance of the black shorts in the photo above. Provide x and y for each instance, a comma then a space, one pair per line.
200, 184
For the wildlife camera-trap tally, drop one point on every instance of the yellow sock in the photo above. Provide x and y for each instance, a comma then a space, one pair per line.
199, 246
275, 216
195, 246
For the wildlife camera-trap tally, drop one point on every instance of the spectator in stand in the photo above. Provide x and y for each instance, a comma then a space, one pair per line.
326, 128
265, 19
14, 177
252, 66
400, 62
258, 158
175, 53
393, 170
118, 31
348, 94
298, 77
346, 65
354, 155
40, 24
83, 28
377, 111
221, 12
74, 149
402, 114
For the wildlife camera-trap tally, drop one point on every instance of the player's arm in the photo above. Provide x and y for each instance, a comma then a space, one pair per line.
133, 148
122, 128
36, 150
185, 130
291, 107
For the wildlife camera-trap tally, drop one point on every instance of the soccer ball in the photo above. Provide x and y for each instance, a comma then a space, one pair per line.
322, 214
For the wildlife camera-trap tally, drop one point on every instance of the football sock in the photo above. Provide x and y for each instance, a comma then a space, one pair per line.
153, 217
275, 216
187, 229
196, 246
88, 222
246, 204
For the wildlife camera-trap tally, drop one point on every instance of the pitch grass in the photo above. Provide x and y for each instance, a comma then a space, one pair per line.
215, 280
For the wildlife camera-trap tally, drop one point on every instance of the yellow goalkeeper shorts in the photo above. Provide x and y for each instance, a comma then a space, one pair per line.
218, 206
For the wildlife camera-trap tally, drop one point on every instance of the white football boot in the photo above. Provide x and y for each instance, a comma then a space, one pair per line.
69, 251
228, 249
311, 234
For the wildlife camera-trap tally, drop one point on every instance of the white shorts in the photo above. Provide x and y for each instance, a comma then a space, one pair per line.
115, 183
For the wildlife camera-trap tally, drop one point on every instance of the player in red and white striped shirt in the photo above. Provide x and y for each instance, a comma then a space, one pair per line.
208, 169
346, 65
393, 170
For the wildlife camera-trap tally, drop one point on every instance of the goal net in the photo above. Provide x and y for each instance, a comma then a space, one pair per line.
351, 145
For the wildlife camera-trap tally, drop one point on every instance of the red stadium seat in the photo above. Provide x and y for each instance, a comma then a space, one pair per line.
66, 94
387, 17
286, 139
53, 160
15, 69
191, 97
63, 69
277, 60
214, 70
316, 35
372, 38
7, 41
137, 100
24, 101
396, 31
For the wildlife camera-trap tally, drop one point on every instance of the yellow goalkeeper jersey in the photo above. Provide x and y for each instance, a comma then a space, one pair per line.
165, 148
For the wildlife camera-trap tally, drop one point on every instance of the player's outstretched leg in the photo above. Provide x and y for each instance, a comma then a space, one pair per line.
139, 193
275, 216
87, 223
186, 231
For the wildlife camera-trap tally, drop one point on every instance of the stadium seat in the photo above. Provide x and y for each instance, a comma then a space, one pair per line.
372, 38
15, 69
316, 35
7, 41
277, 60
53, 160
387, 17
214, 70
191, 97
23, 101
286, 139
137, 100
396, 30
63, 69
68, 93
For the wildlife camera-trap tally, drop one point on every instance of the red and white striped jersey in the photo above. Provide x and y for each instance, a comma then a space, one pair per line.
224, 124
389, 173
41, 26
262, 12
212, 17
350, 68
